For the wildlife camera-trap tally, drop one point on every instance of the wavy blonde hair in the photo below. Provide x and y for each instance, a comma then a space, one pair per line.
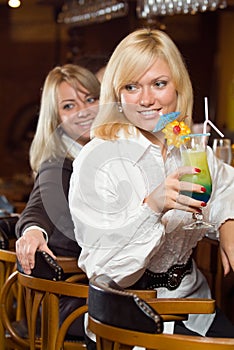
47, 142
130, 60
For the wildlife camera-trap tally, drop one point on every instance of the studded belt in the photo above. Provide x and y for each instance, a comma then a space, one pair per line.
170, 279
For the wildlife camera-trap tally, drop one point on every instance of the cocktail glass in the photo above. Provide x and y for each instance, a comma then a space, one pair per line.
193, 153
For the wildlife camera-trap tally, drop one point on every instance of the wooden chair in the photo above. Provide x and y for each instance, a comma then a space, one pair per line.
7, 266
41, 298
121, 331
40, 292
60, 344
110, 337
11, 294
14, 332
103, 288
105, 298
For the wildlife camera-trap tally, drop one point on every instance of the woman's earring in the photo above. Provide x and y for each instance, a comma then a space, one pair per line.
120, 107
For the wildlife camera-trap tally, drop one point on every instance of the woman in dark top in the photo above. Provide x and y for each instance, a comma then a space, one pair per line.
69, 104
47, 208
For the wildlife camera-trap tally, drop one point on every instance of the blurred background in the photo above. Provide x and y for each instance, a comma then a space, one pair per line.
40, 34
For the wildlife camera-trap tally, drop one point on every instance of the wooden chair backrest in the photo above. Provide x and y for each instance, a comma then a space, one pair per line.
41, 298
69, 264
14, 291
7, 266
169, 309
45, 294
116, 333
109, 337
11, 293
175, 309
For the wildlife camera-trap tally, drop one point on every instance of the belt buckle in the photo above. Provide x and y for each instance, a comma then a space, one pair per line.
174, 277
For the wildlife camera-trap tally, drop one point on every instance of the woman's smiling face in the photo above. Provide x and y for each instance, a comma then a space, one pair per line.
77, 110
154, 94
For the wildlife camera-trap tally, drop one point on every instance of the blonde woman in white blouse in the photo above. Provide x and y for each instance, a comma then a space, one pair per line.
125, 195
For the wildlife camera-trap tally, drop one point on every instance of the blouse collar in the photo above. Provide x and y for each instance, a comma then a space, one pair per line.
73, 147
143, 144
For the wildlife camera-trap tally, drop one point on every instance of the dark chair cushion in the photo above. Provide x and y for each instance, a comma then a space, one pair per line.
45, 267
110, 304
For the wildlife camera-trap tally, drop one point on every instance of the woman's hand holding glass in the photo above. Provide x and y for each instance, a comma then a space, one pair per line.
170, 193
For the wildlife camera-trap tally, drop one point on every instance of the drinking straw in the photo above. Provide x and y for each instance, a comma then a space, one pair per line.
206, 116
207, 121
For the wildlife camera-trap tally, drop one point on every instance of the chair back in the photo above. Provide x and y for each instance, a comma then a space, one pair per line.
110, 337
104, 288
42, 297
7, 266
108, 304
30, 295
111, 304
41, 302
11, 294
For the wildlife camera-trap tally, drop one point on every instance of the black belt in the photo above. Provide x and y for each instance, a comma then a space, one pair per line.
170, 279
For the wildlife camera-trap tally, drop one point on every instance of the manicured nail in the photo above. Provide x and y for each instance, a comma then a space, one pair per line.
203, 204
197, 170
203, 189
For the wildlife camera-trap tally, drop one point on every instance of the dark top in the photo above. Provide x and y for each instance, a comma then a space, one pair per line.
48, 208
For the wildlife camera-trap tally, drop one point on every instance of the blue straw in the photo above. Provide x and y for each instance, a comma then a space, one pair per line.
193, 135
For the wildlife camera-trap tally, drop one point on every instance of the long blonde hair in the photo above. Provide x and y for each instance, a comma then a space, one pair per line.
47, 142
131, 58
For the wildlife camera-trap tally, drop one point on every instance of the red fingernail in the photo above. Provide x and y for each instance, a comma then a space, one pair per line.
197, 170
203, 204
203, 189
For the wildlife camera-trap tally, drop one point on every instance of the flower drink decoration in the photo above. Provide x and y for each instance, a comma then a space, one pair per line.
173, 132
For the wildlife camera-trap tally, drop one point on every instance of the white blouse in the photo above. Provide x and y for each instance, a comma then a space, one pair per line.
119, 235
